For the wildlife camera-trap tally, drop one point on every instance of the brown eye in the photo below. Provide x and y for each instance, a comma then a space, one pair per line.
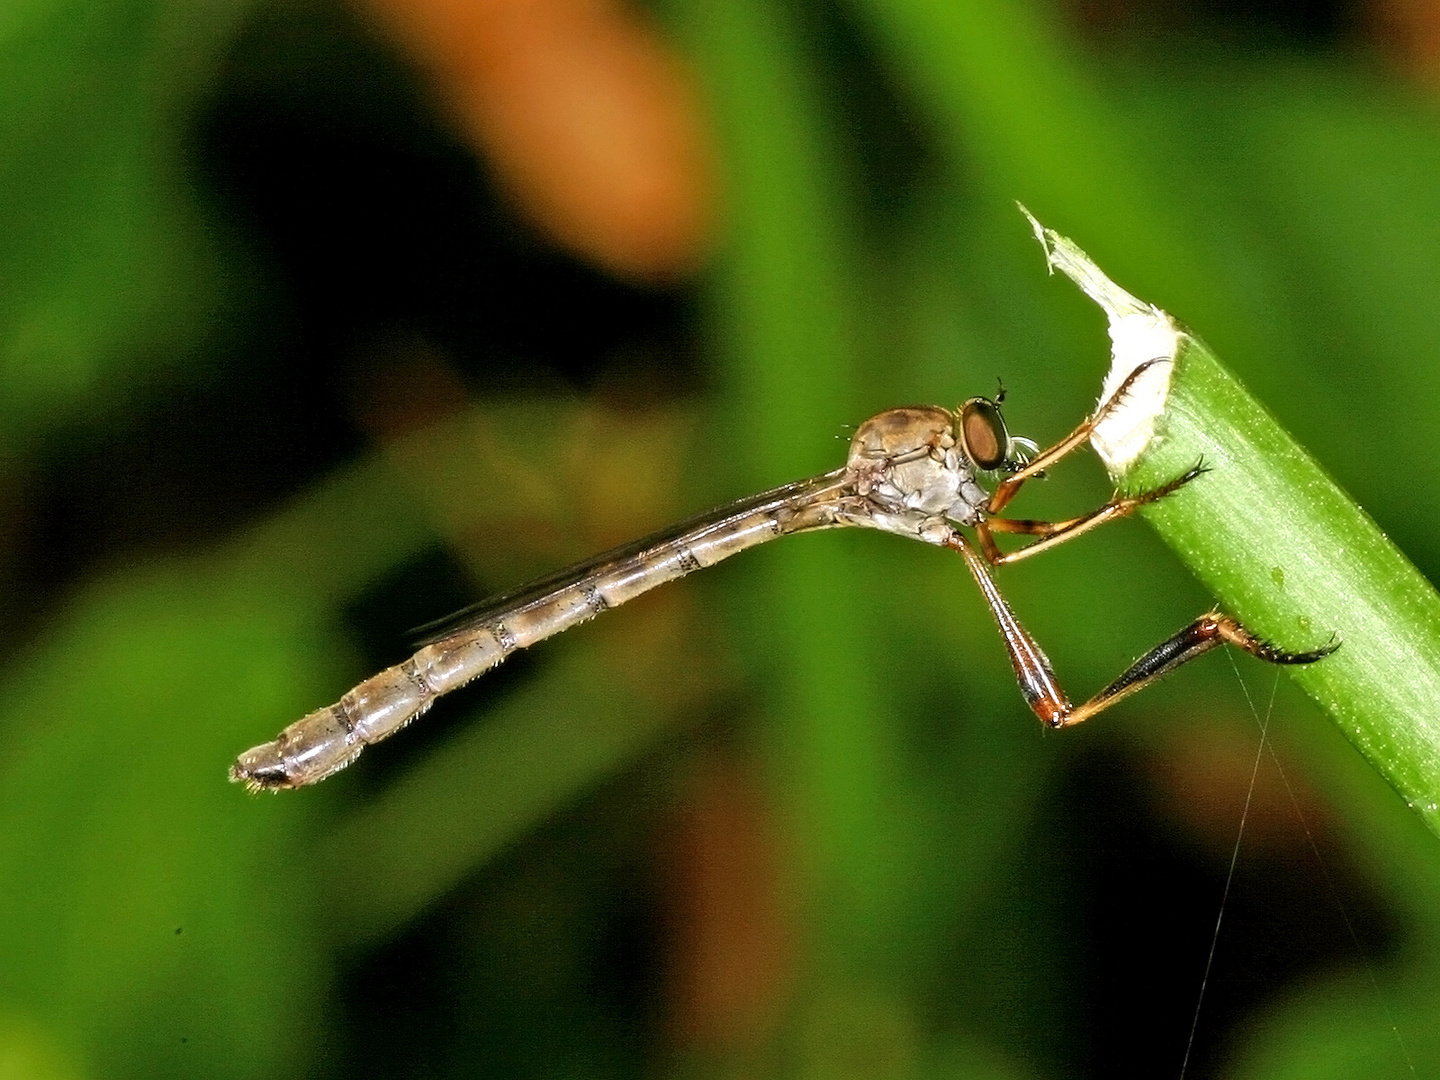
983, 434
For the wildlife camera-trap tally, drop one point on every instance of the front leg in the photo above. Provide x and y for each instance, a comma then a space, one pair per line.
1008, 488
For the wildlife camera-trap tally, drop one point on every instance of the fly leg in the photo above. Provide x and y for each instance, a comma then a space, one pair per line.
1037, 679
1008, 488
1051, 533
1202, 635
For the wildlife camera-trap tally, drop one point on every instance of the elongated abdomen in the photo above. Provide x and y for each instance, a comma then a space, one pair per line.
325, 741
328, 739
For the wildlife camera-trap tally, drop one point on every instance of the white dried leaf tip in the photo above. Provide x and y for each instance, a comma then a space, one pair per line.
1139, 332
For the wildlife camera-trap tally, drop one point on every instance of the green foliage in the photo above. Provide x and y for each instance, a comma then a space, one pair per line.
157, 922
1279, 543
109, 273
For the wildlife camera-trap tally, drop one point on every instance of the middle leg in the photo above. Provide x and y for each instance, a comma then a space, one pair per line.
1051, 533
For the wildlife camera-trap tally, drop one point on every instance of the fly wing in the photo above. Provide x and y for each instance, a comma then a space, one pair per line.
801, 493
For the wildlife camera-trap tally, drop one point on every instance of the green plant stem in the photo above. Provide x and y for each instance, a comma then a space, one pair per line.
1273, 536
1287, 551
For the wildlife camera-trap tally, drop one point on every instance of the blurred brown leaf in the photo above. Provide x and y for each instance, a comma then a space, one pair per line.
585, 115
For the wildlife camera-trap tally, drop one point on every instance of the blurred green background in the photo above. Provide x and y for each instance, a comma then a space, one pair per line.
284, 376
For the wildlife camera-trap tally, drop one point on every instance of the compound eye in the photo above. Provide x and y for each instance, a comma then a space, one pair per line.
983, 434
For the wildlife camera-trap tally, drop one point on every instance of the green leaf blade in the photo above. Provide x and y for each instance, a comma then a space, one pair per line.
1288, 552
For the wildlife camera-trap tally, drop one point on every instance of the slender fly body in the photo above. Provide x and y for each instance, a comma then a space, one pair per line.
919, 472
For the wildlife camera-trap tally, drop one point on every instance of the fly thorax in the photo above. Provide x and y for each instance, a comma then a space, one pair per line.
907, 459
